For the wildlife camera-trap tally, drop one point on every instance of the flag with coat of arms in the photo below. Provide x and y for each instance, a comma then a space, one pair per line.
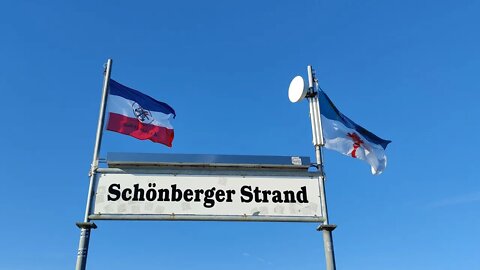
345, 136
138, 115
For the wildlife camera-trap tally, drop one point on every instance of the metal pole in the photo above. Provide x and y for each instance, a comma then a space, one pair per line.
315, 118
86, 225
314, 111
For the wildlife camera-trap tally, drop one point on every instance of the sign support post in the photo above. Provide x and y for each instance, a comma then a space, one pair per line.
318, 143
86, 225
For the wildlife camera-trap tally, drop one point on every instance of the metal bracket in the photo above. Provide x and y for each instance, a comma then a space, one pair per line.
316, 166
86, 225
93, 169
319, 168
327, 227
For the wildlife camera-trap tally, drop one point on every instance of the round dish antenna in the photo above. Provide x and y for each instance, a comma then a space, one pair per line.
297, 90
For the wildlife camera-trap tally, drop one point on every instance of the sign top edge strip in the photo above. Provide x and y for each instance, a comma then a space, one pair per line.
205, 160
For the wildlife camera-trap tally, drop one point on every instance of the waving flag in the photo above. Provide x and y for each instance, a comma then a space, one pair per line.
138, 115
345, 136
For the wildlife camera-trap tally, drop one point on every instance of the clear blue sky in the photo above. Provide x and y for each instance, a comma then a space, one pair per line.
406, 70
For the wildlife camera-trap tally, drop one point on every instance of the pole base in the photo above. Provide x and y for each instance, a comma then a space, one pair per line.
327, 227
86, 225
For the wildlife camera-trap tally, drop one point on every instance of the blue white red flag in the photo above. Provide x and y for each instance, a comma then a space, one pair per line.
345, 136
138, 115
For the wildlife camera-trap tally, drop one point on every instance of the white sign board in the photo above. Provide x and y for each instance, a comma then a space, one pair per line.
206, 197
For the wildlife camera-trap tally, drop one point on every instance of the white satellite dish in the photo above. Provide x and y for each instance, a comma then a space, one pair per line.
297, 89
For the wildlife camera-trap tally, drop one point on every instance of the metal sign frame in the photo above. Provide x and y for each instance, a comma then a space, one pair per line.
239, 173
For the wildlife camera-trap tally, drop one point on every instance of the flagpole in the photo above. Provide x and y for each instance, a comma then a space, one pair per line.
86, 225
318, 143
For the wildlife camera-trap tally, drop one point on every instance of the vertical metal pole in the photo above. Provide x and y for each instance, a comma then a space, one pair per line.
317, 132
86, 226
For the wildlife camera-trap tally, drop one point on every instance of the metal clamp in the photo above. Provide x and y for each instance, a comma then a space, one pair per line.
86, 225
327, 227
311, 93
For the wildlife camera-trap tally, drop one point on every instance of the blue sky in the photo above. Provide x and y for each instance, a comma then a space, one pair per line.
406, 70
